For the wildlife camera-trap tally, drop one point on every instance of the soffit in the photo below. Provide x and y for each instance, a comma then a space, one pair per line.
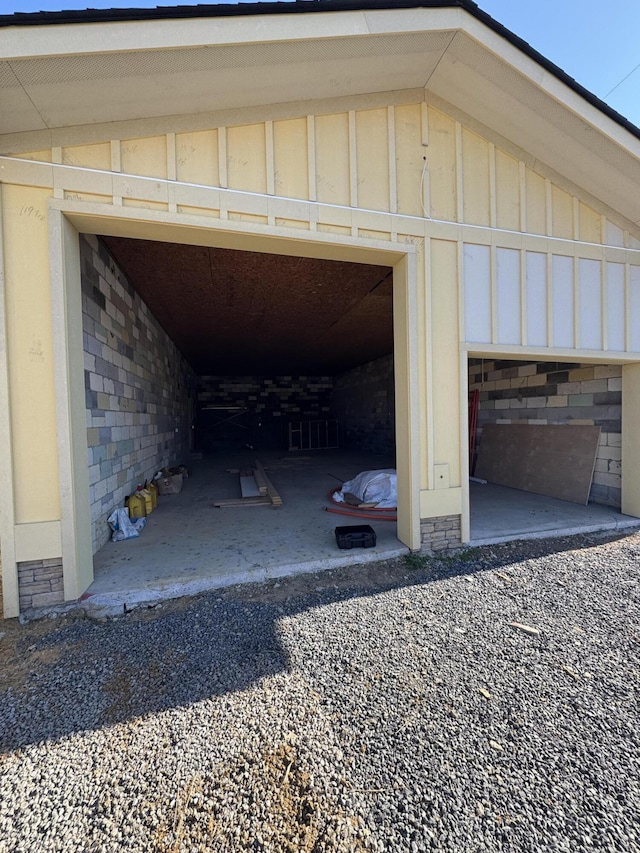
239, 313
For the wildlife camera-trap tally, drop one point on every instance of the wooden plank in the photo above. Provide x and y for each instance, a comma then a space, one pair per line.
551, 459
233, 502
276, 500
261, 481
248, 487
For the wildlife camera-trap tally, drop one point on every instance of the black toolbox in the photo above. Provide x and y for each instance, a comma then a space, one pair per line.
356, 536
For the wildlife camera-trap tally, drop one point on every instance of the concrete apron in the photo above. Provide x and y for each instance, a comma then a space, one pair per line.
188, 546
500, 514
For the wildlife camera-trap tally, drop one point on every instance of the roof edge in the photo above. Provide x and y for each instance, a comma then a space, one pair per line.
289, 7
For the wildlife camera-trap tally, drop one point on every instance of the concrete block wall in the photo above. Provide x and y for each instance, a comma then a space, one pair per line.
557, 393
269, 404
364, 399
139, 390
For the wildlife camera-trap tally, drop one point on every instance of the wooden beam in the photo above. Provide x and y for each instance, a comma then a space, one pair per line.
276, 500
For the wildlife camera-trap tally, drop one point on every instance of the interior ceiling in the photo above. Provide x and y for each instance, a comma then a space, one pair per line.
246, 313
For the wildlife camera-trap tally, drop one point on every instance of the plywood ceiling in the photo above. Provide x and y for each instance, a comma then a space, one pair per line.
244, 313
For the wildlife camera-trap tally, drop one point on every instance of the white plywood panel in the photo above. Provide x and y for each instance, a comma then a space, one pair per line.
615, 307
536, 265
477, 293
634, 309
562, 300
508, 287
590, 304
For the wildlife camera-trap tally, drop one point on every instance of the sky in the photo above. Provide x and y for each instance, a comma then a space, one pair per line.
594, 41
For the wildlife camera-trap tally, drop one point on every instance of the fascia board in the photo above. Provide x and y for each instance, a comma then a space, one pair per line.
35, 42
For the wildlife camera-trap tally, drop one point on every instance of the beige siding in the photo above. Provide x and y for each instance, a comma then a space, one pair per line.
476, 187
332, 158
290, 158
246, 158
441, 155
409, 158
197, 157
372, 134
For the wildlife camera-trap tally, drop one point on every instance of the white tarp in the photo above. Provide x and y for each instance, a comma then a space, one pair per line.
375, 487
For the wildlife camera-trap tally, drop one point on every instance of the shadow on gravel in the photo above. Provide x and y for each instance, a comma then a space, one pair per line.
72, 674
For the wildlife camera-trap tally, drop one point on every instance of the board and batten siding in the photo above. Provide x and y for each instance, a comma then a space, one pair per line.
577, 290
499, 242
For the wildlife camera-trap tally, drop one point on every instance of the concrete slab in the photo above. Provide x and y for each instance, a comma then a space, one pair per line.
500, 514
188, 546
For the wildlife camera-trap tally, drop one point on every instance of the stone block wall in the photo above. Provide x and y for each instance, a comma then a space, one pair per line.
40, 583
441, 534
364, 401
256, 410
139, 389
513, 392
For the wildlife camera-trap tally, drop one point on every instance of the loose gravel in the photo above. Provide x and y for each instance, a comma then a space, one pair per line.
487, 702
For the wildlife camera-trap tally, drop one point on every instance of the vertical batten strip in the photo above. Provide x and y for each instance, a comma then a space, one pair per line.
353, 160
522, 175
493, 273
223, 171
270, 164
577, 331
549, 283
524, 318
424, 123
493, 210
56, 157
353, 166
604, 302
393, 166
576, 218
459, 189
311, 157
172, 173
116, 165
429, 356
627, 307
425, 187
548, 208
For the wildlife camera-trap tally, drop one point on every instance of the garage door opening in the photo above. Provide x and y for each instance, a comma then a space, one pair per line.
215, 358
545, 450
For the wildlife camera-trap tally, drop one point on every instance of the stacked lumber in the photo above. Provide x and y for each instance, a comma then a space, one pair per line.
255, 487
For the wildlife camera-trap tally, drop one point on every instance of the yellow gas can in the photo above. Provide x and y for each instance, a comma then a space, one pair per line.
137, 505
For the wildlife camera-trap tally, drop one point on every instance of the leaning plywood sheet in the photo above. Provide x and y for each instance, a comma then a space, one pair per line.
553, 460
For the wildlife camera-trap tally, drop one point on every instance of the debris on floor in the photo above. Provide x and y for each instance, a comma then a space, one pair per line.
256, 489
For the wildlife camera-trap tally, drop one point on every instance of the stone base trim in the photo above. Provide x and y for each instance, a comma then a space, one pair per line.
40, 583
441, 534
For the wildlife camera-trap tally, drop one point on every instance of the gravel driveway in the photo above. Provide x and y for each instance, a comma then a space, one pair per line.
392, 707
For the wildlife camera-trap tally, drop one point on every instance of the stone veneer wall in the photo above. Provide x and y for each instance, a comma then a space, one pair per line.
365, 406
40, 583
270, 404
513, 392
441, 534
139, 389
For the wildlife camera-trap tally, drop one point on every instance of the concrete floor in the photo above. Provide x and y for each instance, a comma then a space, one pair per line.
499, 514
188, 546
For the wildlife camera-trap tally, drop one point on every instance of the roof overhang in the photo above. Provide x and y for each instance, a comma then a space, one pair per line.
67, 75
